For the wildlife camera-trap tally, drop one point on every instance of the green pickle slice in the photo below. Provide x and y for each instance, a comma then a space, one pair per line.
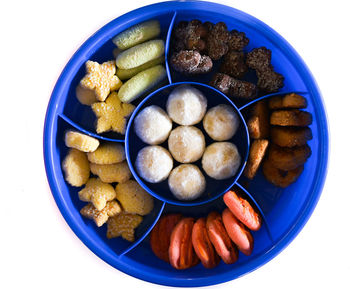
141, 82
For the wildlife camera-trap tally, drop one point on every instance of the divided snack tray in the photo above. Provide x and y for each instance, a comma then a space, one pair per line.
284, 211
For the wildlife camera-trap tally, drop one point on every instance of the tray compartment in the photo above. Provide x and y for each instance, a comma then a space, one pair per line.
83, 114
214, 188
279, 60
70, 194
262, 242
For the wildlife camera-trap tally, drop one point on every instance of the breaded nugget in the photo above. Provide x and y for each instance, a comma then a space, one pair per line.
256, 154
293, 117
133, 198
258, 124
114, 173
76, 168
279, 177
288, 158
291, 100
290, 136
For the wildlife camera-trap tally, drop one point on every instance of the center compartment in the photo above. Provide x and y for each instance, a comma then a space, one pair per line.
214, 188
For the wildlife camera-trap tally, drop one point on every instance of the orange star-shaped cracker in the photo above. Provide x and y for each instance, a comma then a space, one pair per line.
97, 192
100, 78
124, 225
100, 217
112, 114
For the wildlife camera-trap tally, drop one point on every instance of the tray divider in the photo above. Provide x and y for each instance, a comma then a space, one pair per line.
144, 235
167, 46
259, 208
270, 95
80, 129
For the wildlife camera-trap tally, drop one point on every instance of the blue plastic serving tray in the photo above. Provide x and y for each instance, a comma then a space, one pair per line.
284, 211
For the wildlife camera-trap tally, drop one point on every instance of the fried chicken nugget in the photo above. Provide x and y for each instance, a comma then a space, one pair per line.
256, 154
290, 136
279, 177
258, 124
293, 117
291, 100
288, 158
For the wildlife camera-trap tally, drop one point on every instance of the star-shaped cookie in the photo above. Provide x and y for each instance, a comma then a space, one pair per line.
100, 217
100, 78
112, 114
97, 192
124, 225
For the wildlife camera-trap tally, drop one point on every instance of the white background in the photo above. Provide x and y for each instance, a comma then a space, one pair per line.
38, 249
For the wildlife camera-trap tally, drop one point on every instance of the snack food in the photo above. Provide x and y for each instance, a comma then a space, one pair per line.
290, 136
232, 87
97, 192
238, 40
280, 178
186, 144
238, 233
85, 96
293, 117
221, 122
186, 105
100, 79
80, 141
186, 182
202, 245
242, 210
207, 38
259, 59
112, 114
256, 154
191, 62
221, 160
152, 125
291, 100
220, 239
234, 64
76, 168
107, 153
154, 163
258, 123
190, 35
181, 253
217, 40
113, 173
111, 209
141, 82
133, 198
123, 224
160, 235
140, 54
137, 34
125, 74
288, 158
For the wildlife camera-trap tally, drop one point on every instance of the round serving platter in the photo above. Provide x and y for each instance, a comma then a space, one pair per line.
284, 211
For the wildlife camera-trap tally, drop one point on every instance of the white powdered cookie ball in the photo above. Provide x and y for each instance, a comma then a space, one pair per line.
154, 163
186, 105
186, 182
221, 160
221, 122
186, 144
153, 125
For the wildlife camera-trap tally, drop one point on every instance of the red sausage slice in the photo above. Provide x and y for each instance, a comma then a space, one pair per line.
202, 245
242, 210
237, 232
220, 239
